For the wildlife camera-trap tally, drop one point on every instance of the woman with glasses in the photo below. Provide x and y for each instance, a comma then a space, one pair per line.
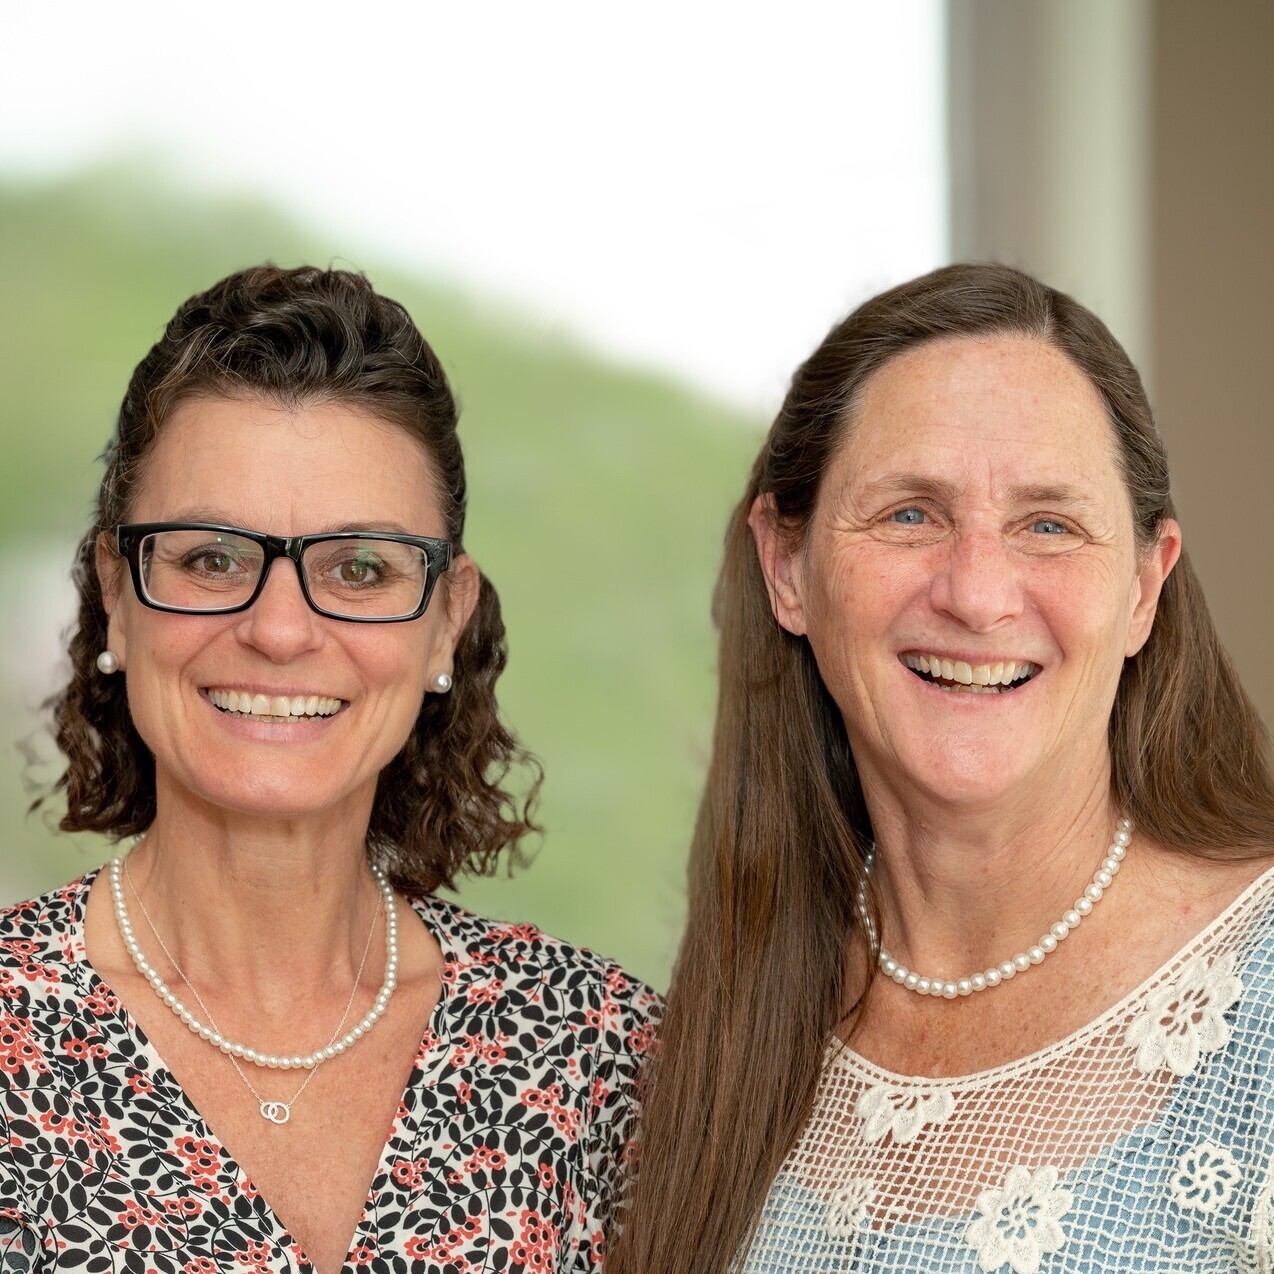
257, 1040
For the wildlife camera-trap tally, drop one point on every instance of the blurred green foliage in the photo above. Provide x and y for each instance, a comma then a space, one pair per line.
598, 499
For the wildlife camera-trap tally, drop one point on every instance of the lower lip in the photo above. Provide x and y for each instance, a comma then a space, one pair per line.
272, 729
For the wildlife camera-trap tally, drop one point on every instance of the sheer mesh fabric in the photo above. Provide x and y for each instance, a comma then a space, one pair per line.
1142, 1142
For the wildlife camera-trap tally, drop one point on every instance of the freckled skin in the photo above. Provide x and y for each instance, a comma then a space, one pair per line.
975, 510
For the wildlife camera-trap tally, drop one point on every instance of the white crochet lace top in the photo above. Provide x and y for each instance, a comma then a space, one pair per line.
1143, 1142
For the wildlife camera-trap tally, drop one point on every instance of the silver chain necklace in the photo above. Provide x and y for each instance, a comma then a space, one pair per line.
276, 1112
951, 988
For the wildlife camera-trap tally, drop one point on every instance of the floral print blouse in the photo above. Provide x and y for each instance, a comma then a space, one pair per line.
506, 1153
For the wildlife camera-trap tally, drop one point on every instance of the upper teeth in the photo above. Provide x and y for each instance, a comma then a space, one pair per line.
274, 705
998, 674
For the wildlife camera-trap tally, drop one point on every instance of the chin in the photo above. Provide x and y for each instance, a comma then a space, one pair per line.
277, 795
283, 805
968, 775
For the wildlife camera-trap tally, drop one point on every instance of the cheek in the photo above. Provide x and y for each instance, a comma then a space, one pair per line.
395, 669
866, 589
849, 612
1088, 608
156, 647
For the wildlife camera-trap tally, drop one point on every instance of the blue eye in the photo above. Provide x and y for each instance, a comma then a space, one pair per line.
1046, 526
908, 517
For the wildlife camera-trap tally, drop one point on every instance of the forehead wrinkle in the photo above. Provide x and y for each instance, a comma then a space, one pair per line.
912, 484
1055, 493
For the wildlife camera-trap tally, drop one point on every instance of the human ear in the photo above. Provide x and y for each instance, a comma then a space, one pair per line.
460, 600
776, 554
1155, 568
110, 577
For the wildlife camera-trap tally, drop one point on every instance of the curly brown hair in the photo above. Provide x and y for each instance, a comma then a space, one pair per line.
444, 805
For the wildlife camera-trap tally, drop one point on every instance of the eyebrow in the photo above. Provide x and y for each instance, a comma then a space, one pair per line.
218, 518
1055, 493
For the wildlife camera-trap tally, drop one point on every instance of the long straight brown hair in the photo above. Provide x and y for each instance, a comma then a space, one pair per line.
777, 856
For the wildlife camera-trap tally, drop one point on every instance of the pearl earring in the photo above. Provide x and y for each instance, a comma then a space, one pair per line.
108, 662
440, 682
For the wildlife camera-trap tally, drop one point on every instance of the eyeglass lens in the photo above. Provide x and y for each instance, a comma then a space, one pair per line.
354, 576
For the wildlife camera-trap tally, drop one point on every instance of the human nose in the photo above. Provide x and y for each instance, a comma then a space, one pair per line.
978, 584
280, 623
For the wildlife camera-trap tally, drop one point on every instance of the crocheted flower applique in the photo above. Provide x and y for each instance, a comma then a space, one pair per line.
1186, 1019
905, 1113
847, 1212
1204, 1178
1018, 1224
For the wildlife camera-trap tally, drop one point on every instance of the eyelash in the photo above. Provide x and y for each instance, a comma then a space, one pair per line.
895, 516
911, 508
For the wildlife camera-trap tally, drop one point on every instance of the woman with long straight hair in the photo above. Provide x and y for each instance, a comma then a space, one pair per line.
979, 970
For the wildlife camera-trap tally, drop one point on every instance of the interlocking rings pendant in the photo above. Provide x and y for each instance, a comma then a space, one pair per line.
277, 1112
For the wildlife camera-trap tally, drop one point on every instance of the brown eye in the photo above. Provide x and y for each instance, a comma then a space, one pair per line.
211, 562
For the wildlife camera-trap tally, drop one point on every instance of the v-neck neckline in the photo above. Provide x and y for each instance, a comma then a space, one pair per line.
434, 1040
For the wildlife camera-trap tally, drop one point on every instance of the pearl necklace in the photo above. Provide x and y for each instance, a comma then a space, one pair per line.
241, 1051
950, 989
277, 1112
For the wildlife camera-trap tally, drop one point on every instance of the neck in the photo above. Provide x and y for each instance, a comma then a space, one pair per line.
962, 889
257, 907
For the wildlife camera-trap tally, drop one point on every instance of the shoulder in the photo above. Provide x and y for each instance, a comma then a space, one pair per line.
1225, 979
41, 936
47, 1007
1251, 921
490, 959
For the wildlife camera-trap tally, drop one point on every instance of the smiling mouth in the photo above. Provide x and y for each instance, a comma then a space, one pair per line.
961, 678
260, 707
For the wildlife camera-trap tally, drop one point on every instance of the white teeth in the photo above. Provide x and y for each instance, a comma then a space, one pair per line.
273, 707
977, 677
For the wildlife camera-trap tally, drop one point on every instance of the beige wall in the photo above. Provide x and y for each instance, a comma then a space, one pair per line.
1121, 149
1049, 148
1212, 295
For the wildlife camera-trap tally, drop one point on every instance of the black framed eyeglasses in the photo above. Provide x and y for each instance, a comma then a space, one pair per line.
366, 577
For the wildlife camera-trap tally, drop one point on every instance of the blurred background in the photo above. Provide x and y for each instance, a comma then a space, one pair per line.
621, 229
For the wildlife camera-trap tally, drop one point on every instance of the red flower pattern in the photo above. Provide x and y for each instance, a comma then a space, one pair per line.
506, 1149
18, 1051
537, 1244
135, 1214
